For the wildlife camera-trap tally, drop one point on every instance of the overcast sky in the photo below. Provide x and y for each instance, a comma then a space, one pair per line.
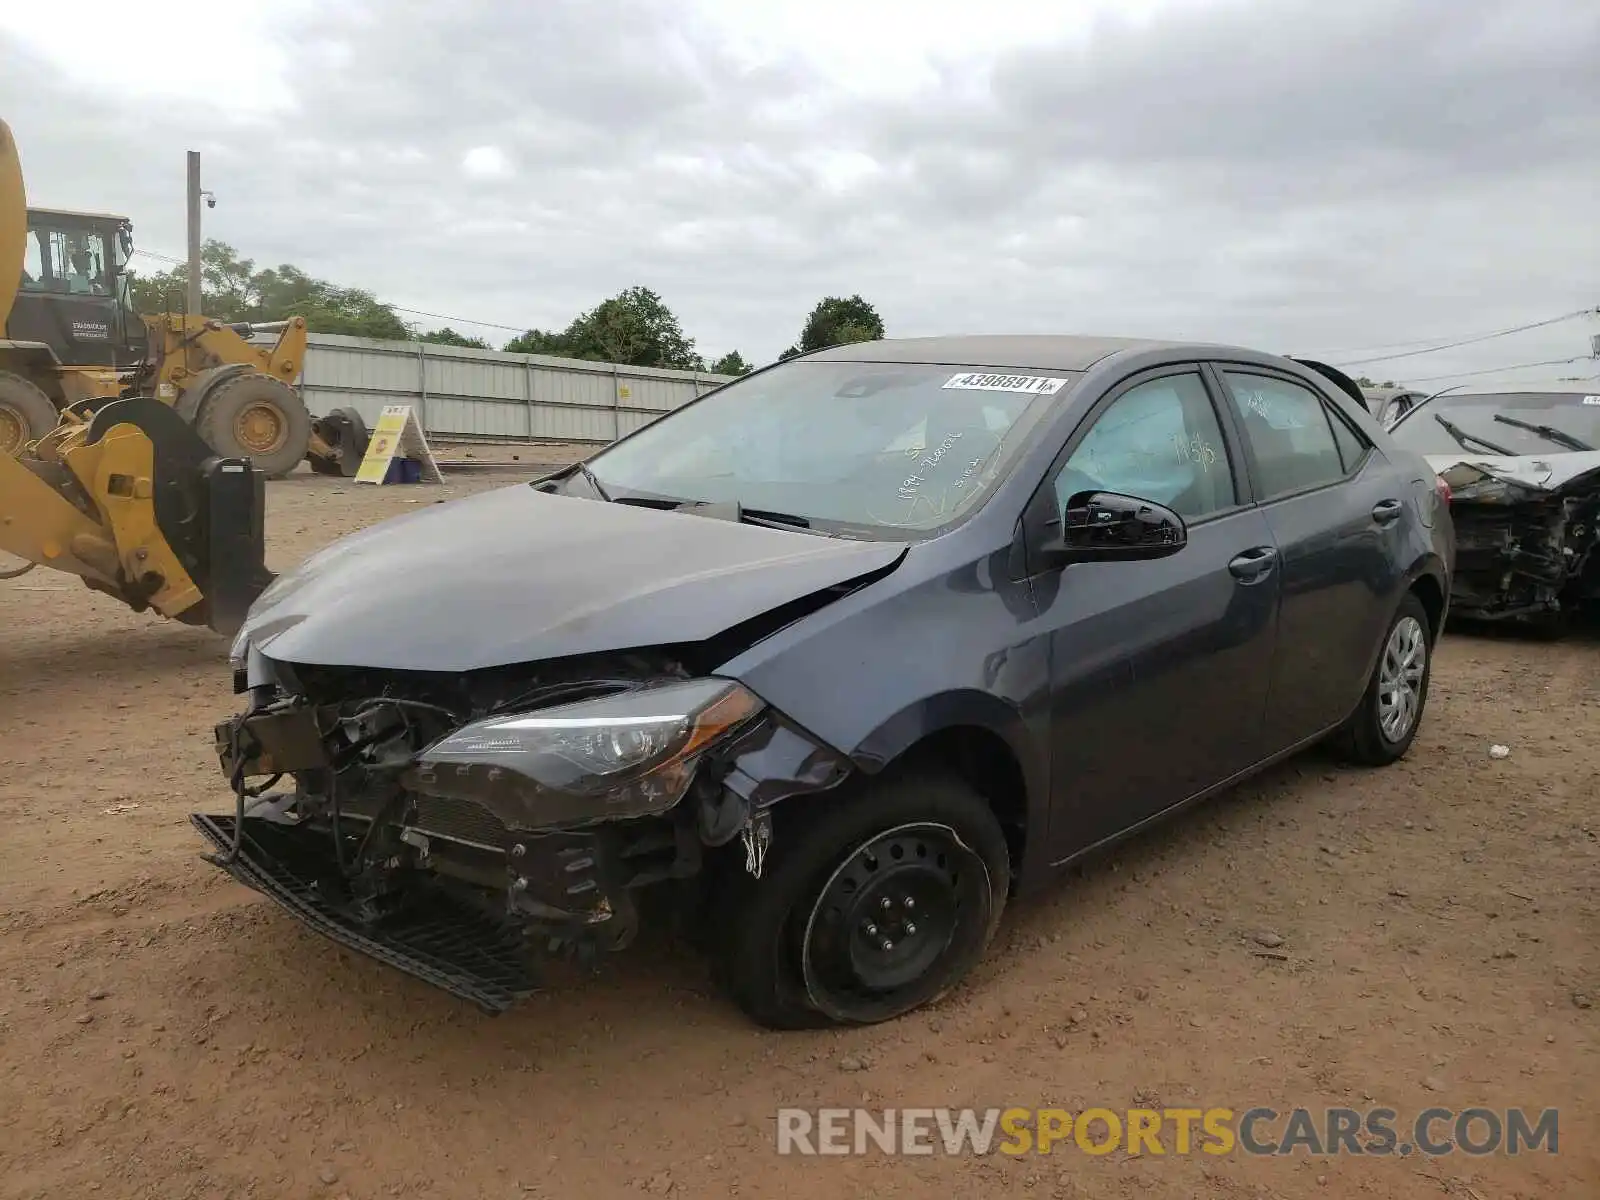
1297, 175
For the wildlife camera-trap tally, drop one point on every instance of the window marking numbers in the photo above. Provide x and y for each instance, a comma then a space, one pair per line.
1030, 385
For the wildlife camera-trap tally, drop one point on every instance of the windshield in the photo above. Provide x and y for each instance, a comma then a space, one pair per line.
1514, 423
64, 257
873, 446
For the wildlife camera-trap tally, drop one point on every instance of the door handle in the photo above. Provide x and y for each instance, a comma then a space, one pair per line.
1385, 512
1253, 564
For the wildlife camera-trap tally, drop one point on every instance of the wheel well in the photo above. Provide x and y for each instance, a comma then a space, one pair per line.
983, 760
1427, 590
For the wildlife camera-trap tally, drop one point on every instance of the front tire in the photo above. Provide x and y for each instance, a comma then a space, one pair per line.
26, 414
1386, 721
255, 416
871, 904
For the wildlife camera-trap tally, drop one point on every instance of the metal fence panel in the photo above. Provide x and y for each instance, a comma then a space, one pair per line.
459, 392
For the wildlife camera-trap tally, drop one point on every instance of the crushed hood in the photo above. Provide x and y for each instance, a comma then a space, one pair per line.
514, 575
1525, 473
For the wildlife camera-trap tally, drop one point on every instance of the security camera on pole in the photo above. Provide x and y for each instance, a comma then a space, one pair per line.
195, 304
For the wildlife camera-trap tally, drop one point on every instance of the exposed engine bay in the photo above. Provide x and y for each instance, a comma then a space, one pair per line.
459, 826
1525, 544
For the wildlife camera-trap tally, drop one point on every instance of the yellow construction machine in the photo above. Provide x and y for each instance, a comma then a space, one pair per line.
72, 340
120, 488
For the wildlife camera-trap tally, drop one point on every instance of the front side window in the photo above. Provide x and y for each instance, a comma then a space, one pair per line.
1158, 441
857, 446
1288, 428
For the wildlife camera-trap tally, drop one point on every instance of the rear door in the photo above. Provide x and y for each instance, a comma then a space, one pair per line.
1335, 506
1158, 670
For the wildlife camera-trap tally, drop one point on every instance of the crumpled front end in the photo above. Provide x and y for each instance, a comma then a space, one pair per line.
1526, 541
459, 827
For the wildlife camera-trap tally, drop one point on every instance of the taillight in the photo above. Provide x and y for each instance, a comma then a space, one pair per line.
1443, 489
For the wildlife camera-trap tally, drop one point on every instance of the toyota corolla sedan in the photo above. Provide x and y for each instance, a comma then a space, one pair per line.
835, 660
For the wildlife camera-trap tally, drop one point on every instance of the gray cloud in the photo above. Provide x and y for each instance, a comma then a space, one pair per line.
1298, 176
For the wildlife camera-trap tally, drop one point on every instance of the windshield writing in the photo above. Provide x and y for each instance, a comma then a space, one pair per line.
881, 445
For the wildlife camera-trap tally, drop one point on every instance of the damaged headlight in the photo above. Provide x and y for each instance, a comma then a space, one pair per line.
628, 755
240, 650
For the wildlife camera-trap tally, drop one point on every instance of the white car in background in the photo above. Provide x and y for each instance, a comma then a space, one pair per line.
1523, 468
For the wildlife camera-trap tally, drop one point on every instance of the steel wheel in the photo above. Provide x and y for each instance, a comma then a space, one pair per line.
889, 916
13, 431
1405, 658
260, 428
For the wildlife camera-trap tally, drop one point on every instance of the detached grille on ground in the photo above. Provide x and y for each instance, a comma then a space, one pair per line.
435, 939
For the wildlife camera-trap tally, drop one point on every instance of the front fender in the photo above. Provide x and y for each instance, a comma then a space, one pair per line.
193, 397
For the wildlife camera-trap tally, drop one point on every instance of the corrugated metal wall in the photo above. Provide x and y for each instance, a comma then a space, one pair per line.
490, 394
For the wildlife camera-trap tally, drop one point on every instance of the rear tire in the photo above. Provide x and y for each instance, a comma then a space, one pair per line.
1385, 723
26, 414
257, 417
870, 904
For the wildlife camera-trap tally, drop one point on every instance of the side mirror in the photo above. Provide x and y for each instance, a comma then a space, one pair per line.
1111, 527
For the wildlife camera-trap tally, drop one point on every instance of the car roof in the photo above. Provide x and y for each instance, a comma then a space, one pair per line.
1051, 352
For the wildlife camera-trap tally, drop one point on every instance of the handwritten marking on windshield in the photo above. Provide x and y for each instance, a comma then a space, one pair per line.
910, 485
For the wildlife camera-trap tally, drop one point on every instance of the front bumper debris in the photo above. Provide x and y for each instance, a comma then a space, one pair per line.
435, 939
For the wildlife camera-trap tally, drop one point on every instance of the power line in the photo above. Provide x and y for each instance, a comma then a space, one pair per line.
1472, 341
1549, 362
1430, 341
415, 312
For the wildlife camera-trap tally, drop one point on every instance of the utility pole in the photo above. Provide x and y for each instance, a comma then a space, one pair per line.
194, 305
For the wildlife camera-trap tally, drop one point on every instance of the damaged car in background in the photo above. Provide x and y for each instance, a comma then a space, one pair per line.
833, 661
1523, 468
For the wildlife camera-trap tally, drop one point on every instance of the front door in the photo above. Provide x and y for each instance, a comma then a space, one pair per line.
1158, 669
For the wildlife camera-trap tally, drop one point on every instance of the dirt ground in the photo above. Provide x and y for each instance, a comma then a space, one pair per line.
1423, 935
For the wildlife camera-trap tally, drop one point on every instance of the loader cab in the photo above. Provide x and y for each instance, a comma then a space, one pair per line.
74, 294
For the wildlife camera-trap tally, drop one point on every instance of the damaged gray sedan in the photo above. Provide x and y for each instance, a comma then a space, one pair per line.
1523, 469
834, 661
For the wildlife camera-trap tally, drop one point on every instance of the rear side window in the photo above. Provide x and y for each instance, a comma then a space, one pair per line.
1352, 446
1291, 433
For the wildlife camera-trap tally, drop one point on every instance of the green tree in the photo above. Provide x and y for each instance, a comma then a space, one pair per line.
231, 289
837, 321
449, 337
731, 363
634, 327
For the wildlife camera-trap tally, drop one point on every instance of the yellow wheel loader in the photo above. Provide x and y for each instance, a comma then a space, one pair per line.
121, 490
72, 339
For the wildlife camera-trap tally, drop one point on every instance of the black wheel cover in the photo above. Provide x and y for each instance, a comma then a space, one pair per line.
894, 921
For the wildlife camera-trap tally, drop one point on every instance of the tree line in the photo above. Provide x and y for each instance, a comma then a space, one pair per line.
634, 327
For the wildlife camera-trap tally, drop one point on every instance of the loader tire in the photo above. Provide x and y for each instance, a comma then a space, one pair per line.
26, 414
257, 417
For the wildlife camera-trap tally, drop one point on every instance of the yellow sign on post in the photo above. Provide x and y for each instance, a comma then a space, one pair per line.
398, 433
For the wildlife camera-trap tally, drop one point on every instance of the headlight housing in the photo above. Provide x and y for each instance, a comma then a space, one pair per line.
239, 650
628, 755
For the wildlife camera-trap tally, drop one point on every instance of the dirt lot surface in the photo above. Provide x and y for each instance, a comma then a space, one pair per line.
1424, 935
